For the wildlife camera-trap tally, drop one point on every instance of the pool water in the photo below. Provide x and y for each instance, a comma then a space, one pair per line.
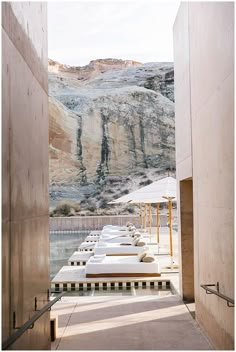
62, 245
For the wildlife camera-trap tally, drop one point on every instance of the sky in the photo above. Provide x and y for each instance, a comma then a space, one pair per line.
80, 31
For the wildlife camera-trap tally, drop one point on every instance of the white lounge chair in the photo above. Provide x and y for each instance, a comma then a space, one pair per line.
120, 266
115, 232
119, 237
86, 246
90, 238
118, 249
116, 239
114, 227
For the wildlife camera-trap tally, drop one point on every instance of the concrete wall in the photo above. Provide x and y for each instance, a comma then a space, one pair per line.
204, 83
81, 223
25, 240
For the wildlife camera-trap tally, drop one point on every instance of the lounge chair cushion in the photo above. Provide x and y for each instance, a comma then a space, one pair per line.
98, 258
129, 224
117, 249
121, 266
141, 243
135, 241
141, 256
148, 258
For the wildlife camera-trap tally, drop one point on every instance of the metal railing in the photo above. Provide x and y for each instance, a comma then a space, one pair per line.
30, 323
210, 291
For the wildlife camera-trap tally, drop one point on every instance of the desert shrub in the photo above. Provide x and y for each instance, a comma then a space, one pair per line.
99, 197
66, 208
104, 203
130, 210
97, 193
83, 202
145, 183
91, 208
112, 179
110, 191
72, 212
125, 191
163, 206
140, 173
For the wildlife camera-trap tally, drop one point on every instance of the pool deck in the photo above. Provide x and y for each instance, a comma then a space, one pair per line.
79, 257
73, 278
125, 313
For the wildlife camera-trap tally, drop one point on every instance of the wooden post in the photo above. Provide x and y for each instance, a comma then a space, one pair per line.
158, 224
141, 218
170, 229
145, 216
150, 220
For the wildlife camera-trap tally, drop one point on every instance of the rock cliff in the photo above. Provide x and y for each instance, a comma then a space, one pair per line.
111, 118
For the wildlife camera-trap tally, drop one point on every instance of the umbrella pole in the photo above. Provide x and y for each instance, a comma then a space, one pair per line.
143, 207
145, 216
158, 228
170, 229
149, 216
141, 218
150, 220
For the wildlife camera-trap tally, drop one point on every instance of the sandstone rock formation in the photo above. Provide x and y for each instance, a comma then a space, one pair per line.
91, 70
110, 118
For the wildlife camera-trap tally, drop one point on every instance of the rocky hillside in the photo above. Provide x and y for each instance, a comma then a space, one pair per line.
109, 120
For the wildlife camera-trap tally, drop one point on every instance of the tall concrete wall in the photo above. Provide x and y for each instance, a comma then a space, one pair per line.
204, 91
25, 240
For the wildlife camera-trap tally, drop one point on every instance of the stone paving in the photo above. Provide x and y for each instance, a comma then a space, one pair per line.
146, 322
134, 319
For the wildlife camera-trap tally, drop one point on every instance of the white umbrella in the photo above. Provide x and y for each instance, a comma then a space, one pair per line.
153, 193
160, 191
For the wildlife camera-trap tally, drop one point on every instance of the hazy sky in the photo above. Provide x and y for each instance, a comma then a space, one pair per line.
137, 30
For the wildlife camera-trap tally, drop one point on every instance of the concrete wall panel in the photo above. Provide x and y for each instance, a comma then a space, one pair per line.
213, 146
5, 195
211, 48
29, 132
26, 26
29, 270
5, 280
25, 225
211, 65
182, 93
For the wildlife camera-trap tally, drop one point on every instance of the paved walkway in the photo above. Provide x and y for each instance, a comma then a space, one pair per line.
146, 322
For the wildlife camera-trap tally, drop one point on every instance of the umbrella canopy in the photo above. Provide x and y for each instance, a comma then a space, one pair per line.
156, 192
160, 191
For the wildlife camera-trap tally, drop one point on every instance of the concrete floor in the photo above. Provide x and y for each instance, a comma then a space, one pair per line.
147, 320
150, 322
